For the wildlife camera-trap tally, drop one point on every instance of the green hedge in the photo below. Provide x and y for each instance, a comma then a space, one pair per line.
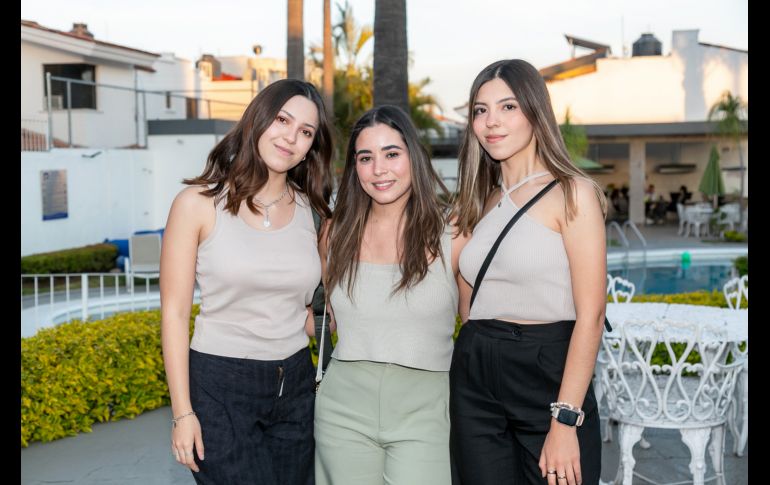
76, 374
96, 258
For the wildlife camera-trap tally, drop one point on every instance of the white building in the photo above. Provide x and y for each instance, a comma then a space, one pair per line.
111, 114
646, 115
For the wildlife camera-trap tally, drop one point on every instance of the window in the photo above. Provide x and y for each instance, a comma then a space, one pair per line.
168, 99
83, 95
191, 105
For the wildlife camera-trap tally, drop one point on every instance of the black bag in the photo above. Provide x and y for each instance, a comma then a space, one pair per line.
318, 305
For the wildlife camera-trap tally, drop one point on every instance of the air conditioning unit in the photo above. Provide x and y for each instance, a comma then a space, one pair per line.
57, 101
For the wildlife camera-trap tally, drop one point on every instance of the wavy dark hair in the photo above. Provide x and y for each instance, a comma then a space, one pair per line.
237, 170
424, 214
479, 174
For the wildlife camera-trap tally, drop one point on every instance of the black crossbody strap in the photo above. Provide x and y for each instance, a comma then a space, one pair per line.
503, 233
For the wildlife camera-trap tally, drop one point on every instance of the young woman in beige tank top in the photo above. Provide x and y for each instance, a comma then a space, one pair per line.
382, 408
533, 331
242, 391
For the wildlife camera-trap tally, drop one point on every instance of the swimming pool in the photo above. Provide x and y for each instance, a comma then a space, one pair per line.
675, 271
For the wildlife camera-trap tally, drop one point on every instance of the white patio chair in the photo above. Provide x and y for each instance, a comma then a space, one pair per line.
736, 290
696, 217
733, 293
692, 398
682, 220
622, 290
730, 215
143, 257
618, 287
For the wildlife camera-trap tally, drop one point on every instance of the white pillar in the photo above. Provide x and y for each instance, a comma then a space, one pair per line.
636, 169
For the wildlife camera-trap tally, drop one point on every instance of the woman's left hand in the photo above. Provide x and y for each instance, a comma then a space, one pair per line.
561, 454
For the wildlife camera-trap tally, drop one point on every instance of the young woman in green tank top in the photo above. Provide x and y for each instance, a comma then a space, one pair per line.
382, 408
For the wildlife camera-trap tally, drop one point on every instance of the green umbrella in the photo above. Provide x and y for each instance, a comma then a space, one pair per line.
586, 164
712, 184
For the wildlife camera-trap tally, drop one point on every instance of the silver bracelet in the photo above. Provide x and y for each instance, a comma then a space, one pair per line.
174, 420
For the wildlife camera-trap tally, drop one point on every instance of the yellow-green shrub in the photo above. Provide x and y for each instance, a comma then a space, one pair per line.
79, 373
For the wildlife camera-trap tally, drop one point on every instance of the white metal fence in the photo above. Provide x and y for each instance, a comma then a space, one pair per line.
34, 135
51, 299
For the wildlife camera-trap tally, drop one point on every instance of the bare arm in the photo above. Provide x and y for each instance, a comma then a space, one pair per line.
177, 279
584, 242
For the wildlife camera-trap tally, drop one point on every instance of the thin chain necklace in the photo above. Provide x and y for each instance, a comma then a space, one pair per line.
266, 221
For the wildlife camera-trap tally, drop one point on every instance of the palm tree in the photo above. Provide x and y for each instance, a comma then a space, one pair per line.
731, 111
349, 37
421, 109
328, 84
391, 80
295, 43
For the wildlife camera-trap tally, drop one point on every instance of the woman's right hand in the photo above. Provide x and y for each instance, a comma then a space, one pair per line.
184, 434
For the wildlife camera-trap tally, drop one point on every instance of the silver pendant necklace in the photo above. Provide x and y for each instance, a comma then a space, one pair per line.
266, 221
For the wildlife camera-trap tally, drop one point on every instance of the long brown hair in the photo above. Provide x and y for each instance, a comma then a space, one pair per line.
425, 213
238, 171
479, 174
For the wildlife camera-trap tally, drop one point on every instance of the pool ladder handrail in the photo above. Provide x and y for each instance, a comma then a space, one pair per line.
630, 223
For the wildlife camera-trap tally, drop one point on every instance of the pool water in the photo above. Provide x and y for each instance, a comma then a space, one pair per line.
676, 278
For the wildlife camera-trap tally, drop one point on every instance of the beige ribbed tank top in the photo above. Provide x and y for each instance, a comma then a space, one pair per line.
529, 277
412, 328
255, 286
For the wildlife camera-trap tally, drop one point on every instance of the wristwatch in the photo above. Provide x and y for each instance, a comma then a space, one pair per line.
566, 413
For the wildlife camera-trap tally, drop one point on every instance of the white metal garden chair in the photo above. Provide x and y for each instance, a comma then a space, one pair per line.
737, 290
647, 390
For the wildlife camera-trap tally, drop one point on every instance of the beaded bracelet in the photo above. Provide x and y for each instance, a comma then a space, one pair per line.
174, 420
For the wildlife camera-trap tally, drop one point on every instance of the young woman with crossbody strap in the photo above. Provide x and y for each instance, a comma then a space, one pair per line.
521, 403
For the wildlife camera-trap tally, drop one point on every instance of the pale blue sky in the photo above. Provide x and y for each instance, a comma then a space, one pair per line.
450, 41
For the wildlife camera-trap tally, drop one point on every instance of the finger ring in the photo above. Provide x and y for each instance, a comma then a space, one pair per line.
551, 472
561, 478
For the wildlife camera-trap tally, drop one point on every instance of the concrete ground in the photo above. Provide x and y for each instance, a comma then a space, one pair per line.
137, 452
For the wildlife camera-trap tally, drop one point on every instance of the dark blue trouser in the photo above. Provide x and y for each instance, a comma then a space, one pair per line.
256, 419
503, 377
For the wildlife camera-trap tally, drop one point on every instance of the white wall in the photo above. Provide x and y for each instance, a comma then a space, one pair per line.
708, 72
677, 87
108, 196
111, 195
175, 157
171, 74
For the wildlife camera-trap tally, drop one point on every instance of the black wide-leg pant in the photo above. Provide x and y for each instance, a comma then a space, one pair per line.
502, 380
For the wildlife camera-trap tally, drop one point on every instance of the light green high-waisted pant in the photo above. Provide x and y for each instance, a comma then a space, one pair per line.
380, 424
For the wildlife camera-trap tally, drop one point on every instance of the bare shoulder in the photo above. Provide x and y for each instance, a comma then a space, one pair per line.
191, 205
191, 199
585, 194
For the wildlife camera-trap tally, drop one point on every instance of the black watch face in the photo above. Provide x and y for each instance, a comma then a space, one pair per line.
567, 417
